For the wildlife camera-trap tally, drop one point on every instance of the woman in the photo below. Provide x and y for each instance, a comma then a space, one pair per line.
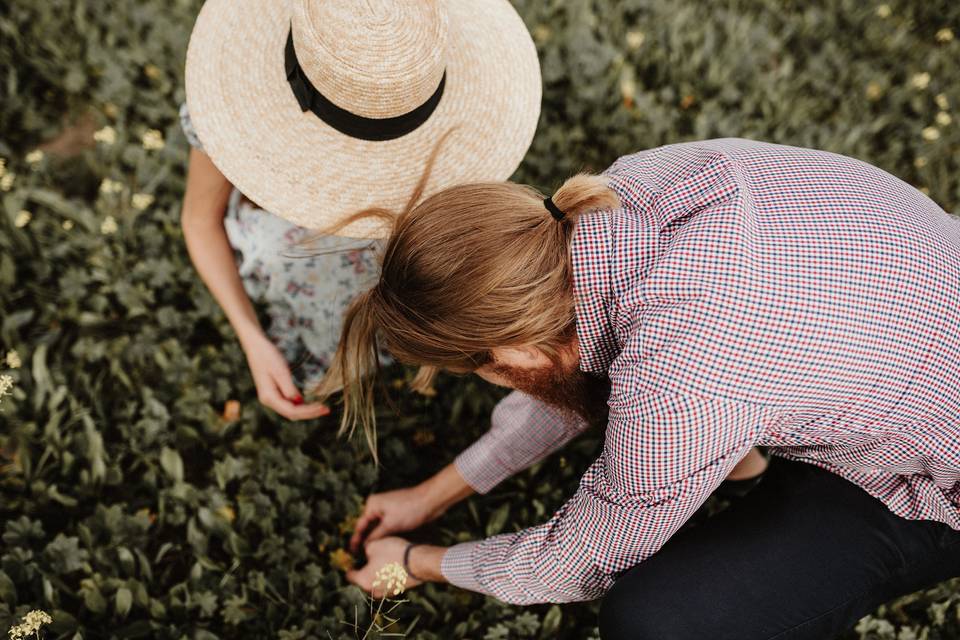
295, 108
727, 293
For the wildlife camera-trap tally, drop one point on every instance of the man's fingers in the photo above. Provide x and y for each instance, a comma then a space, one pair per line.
370, 515
378, 532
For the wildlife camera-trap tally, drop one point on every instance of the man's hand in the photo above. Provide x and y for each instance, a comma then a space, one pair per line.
424, 562
406, 509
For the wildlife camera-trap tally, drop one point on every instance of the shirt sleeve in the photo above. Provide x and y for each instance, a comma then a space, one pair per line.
663, 456
523, 430
187, 126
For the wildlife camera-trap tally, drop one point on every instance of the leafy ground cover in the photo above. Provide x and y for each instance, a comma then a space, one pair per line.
143, 491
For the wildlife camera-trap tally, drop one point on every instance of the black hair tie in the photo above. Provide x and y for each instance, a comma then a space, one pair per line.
553, 209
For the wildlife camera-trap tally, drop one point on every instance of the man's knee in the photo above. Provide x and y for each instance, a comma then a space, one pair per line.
632, 611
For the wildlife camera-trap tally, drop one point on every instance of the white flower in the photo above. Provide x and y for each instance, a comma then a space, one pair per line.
635, 39
6, 182
942, 101
67, 224
108, 226
6, 383
930, 133
920, 80
34, 157
944, 35
106, 135
943, 118
884, 11
31, 625
111, 186
23, 217
393, 578
141, 201
13, 360
152, 140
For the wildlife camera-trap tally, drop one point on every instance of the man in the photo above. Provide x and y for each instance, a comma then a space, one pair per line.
702, 298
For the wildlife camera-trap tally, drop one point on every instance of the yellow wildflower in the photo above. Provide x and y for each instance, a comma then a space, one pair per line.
392, 577
874, 91
341, 559
6, 182
13, 359
111, 186
108, 226
152, 140
34, 157
227, 513
152, 71
925, 191
930, 134
67, 225
111, 110
942, 101
943, 119
945, 35
920, 162
920, 80
23, 217
884, 11
541, 33
106, 135
635, 39
3, 166
141, 201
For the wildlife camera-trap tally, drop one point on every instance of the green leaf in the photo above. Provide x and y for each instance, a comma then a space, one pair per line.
172, 464
498, 519
123, 600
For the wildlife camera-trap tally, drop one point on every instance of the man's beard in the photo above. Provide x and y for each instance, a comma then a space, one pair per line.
572, 390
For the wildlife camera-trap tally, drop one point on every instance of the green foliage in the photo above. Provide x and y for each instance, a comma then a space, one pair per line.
131, 508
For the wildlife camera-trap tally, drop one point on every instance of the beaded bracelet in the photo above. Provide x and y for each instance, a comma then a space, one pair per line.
406, 560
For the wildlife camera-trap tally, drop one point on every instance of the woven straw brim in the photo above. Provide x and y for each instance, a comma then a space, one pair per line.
297, 167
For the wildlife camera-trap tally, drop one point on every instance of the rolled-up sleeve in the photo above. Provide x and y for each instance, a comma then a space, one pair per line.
523, 430
663, 456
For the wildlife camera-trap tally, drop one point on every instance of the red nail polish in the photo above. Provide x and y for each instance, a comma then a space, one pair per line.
298, 400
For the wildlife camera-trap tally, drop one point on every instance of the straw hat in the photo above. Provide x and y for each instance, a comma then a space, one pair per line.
315, 109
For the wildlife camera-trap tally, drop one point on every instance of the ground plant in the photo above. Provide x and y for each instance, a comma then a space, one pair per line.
144, 493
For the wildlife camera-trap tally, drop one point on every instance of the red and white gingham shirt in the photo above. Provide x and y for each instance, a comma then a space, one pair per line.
747, 293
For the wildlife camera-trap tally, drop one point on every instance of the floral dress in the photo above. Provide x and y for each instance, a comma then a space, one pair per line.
306, 295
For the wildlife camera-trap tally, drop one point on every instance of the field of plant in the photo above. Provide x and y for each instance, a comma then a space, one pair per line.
145, 493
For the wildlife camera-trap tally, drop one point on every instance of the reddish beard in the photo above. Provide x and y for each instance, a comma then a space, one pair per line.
571, 390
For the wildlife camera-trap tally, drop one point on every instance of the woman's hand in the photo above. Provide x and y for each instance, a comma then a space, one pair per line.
406, 509
271, 375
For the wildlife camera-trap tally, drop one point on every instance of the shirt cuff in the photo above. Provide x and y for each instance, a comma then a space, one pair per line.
480, 469
457, 566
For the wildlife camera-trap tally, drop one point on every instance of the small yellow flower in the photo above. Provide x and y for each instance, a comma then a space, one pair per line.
106, 135
152, 140
3, 166
392, 577
920, 80
227, 513
942, 101
111, 110
930, 134
67, 225
945, 35
884, 11
541, 33
920, 162
141, 201
13, 359
34, 157
943, 119
110, 186
341, 559
874, 91
635, 39
108, 226
22, 219
6, 182
925, 191
152, 71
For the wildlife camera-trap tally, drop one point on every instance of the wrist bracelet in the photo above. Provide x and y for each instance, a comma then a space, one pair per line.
406, 560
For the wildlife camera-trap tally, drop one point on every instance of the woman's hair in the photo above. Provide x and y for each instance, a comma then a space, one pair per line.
471, 268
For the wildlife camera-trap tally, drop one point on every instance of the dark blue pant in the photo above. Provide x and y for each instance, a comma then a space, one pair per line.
803, 556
